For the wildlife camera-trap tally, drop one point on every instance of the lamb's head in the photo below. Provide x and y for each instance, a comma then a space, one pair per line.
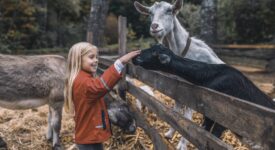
162, 16
121, 116
157, 57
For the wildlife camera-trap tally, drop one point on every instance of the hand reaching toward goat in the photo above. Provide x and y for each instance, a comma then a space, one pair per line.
127, 57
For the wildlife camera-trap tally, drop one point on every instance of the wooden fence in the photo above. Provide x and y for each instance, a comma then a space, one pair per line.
258, 56
248, 120
251, 121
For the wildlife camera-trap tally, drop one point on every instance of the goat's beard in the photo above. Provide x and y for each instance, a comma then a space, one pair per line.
158, 36
160, 40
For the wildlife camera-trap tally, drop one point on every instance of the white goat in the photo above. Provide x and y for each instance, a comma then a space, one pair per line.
166, 26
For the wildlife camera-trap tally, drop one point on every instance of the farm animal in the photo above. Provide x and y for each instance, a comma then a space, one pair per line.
165, 27
219, 77
32, 81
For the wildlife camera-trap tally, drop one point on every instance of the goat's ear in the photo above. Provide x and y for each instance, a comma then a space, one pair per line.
177, 6
164, 59
141, 8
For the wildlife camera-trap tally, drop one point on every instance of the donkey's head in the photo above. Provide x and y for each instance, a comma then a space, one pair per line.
162, 16
121, 116
157, 57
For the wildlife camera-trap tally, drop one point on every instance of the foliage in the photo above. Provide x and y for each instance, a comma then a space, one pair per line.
49, 23
189, 17
36, 24
246, 21
18, 23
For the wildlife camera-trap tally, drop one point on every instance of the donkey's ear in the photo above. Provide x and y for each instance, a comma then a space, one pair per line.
177, 6
141, 8
164, 59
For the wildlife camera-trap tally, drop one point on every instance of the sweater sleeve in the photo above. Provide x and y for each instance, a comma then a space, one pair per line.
98, 87
118, 65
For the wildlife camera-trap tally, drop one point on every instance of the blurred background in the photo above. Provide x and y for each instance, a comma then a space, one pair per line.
55, 25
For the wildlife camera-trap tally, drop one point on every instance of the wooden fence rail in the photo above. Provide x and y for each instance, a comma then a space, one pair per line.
195, 134
245, 46
247, 119
258, 56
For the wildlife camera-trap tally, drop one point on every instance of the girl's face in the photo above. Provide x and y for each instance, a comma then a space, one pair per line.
90, 62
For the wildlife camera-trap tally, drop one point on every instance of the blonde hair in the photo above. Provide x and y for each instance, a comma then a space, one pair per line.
73, 67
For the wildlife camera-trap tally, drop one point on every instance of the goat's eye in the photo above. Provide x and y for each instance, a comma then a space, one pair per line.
169, 10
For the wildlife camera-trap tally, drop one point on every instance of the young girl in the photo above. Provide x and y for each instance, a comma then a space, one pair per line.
84, 94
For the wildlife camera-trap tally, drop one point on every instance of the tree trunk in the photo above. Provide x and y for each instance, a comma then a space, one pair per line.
208, 21
42, 15
96, 23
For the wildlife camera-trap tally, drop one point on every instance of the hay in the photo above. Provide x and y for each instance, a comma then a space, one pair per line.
26, 130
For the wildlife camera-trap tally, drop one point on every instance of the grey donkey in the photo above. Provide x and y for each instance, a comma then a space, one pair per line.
31, 81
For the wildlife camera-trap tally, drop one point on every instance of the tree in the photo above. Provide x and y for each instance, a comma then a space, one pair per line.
208, 20
96, 23
18, 23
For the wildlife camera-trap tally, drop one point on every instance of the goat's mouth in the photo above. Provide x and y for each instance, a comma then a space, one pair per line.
156, 31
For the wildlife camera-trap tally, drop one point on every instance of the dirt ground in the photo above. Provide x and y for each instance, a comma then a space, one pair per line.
25, 129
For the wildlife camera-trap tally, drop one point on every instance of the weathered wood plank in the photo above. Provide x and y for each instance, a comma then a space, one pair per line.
243, 46
270, 67
247, 119
105, 62
254, 53
244, 61
122, 41
122, 33
195, 134
159, 142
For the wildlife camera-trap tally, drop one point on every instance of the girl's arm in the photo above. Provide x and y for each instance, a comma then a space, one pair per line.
98, 87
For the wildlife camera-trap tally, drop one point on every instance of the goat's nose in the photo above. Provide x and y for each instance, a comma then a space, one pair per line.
154, 26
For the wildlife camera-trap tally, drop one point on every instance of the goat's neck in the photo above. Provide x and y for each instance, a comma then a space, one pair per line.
177, 38
193, 71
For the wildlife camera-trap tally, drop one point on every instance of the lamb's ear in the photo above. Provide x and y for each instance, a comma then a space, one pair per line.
177, 6
141, 8
164, 59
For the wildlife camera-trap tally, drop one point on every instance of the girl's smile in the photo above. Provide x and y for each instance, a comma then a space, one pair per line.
90, 62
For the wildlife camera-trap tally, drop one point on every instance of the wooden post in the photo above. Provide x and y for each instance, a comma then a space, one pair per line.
96, 22
122, 34
122, 41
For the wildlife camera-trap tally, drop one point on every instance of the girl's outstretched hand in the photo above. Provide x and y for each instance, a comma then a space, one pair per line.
127, 57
